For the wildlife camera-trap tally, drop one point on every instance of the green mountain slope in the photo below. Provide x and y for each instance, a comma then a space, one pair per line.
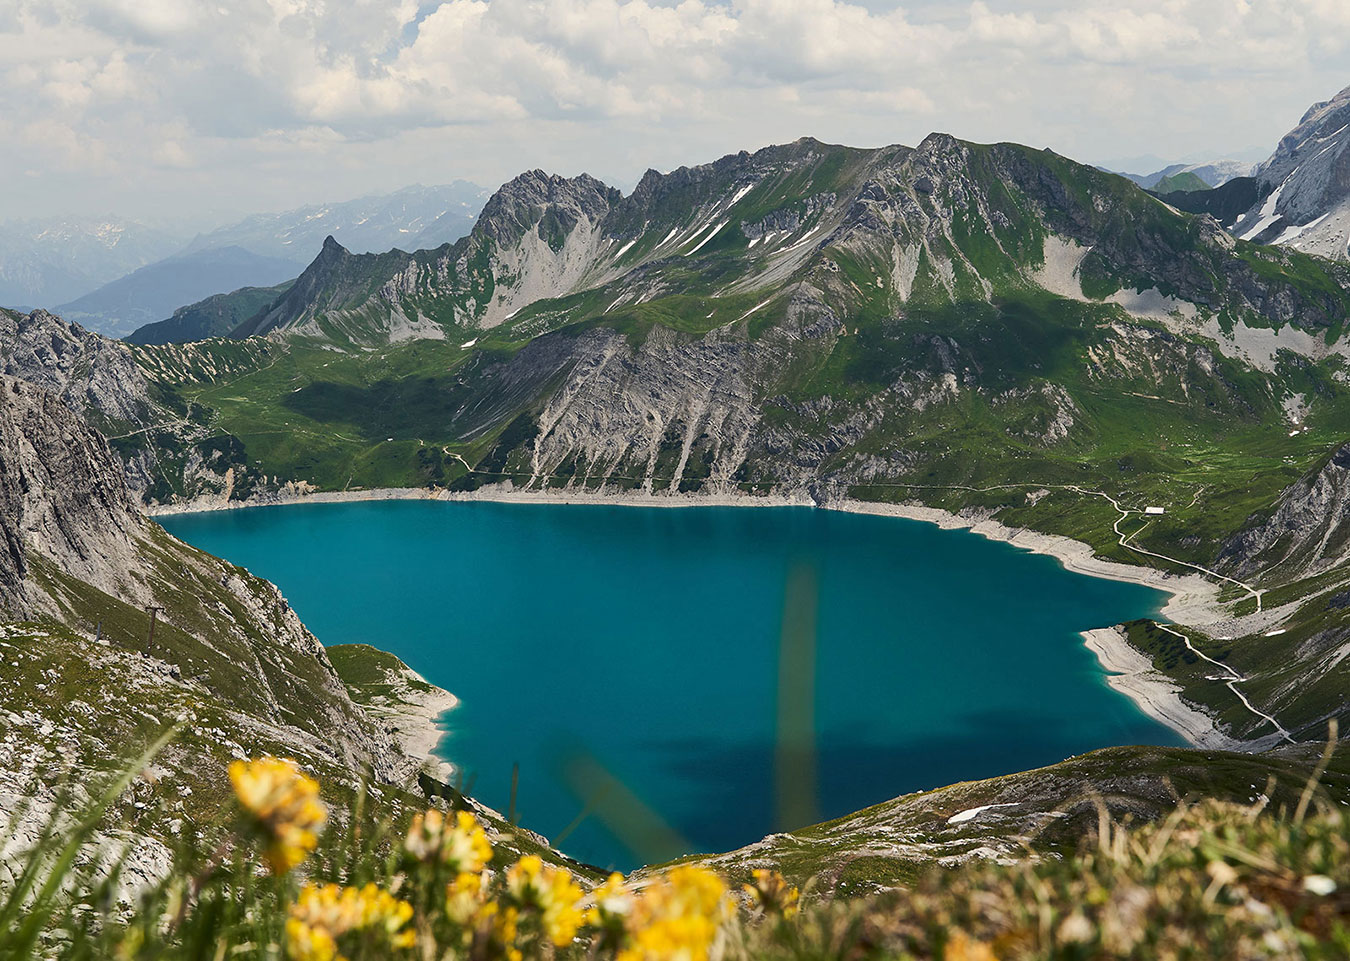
1184, 182
1048, 811
216, 316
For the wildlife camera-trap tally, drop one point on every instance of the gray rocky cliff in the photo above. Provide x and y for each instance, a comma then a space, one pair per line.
90, 373
75, 548
118, 389
535, 197
62, 495
1308, 531
1305, 185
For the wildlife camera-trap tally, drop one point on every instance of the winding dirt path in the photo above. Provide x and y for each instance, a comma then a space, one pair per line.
1231, 682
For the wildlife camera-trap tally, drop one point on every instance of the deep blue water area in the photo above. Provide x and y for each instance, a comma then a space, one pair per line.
682, 679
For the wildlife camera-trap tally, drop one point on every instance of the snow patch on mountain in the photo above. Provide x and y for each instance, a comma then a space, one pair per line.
1306, 184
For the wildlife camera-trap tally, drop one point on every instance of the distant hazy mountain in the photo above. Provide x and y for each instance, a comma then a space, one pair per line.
1304, 188
1212, 174
91, 267
216, 316
51, 261
157, 290
409, 219
1183, 182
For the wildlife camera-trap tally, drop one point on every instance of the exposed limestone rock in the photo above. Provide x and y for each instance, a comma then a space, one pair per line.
72, 533
1305, 186
62, 495
1308, 532
88, 372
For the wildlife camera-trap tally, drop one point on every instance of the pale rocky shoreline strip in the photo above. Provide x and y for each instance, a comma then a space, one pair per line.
413, 714
1192, 600
1130, 672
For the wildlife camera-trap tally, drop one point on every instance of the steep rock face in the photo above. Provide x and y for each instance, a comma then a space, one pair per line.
554, 204
88, 372
673, 414
73, 546
1308, 532
1305, 185
164, 452
303, 299
62, 495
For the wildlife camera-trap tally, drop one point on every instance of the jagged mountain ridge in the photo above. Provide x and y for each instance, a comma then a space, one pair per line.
1305, 186
689, 312
772, 215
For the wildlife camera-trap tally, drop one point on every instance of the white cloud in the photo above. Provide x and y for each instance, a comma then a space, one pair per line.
247, 93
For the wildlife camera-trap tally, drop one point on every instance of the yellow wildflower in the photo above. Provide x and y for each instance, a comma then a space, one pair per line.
962, 947
465, 899
611, 902
772, 894
501, 926
329, 911
284, 803
305, 943
535, 886
463, 848
677, 918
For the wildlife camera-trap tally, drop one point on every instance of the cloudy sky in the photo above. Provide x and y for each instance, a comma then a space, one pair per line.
215, 108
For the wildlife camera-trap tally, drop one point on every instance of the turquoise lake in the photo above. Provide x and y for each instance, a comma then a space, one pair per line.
627, 659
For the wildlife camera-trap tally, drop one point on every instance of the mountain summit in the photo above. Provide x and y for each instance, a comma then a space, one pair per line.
1305, 186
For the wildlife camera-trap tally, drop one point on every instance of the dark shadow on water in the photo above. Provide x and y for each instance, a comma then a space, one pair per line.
733, 782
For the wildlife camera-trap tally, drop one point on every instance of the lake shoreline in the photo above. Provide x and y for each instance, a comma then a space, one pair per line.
1192, 600
1132, 673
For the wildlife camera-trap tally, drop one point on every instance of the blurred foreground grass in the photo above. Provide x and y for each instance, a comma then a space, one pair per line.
290, 878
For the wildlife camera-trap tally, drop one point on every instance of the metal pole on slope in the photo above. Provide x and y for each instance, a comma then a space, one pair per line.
154, 616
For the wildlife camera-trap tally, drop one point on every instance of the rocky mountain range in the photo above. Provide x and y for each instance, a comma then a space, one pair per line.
45, 262
1304, 188
920, 214
116, 276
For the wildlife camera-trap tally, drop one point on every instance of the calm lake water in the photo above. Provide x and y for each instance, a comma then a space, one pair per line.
628, 659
